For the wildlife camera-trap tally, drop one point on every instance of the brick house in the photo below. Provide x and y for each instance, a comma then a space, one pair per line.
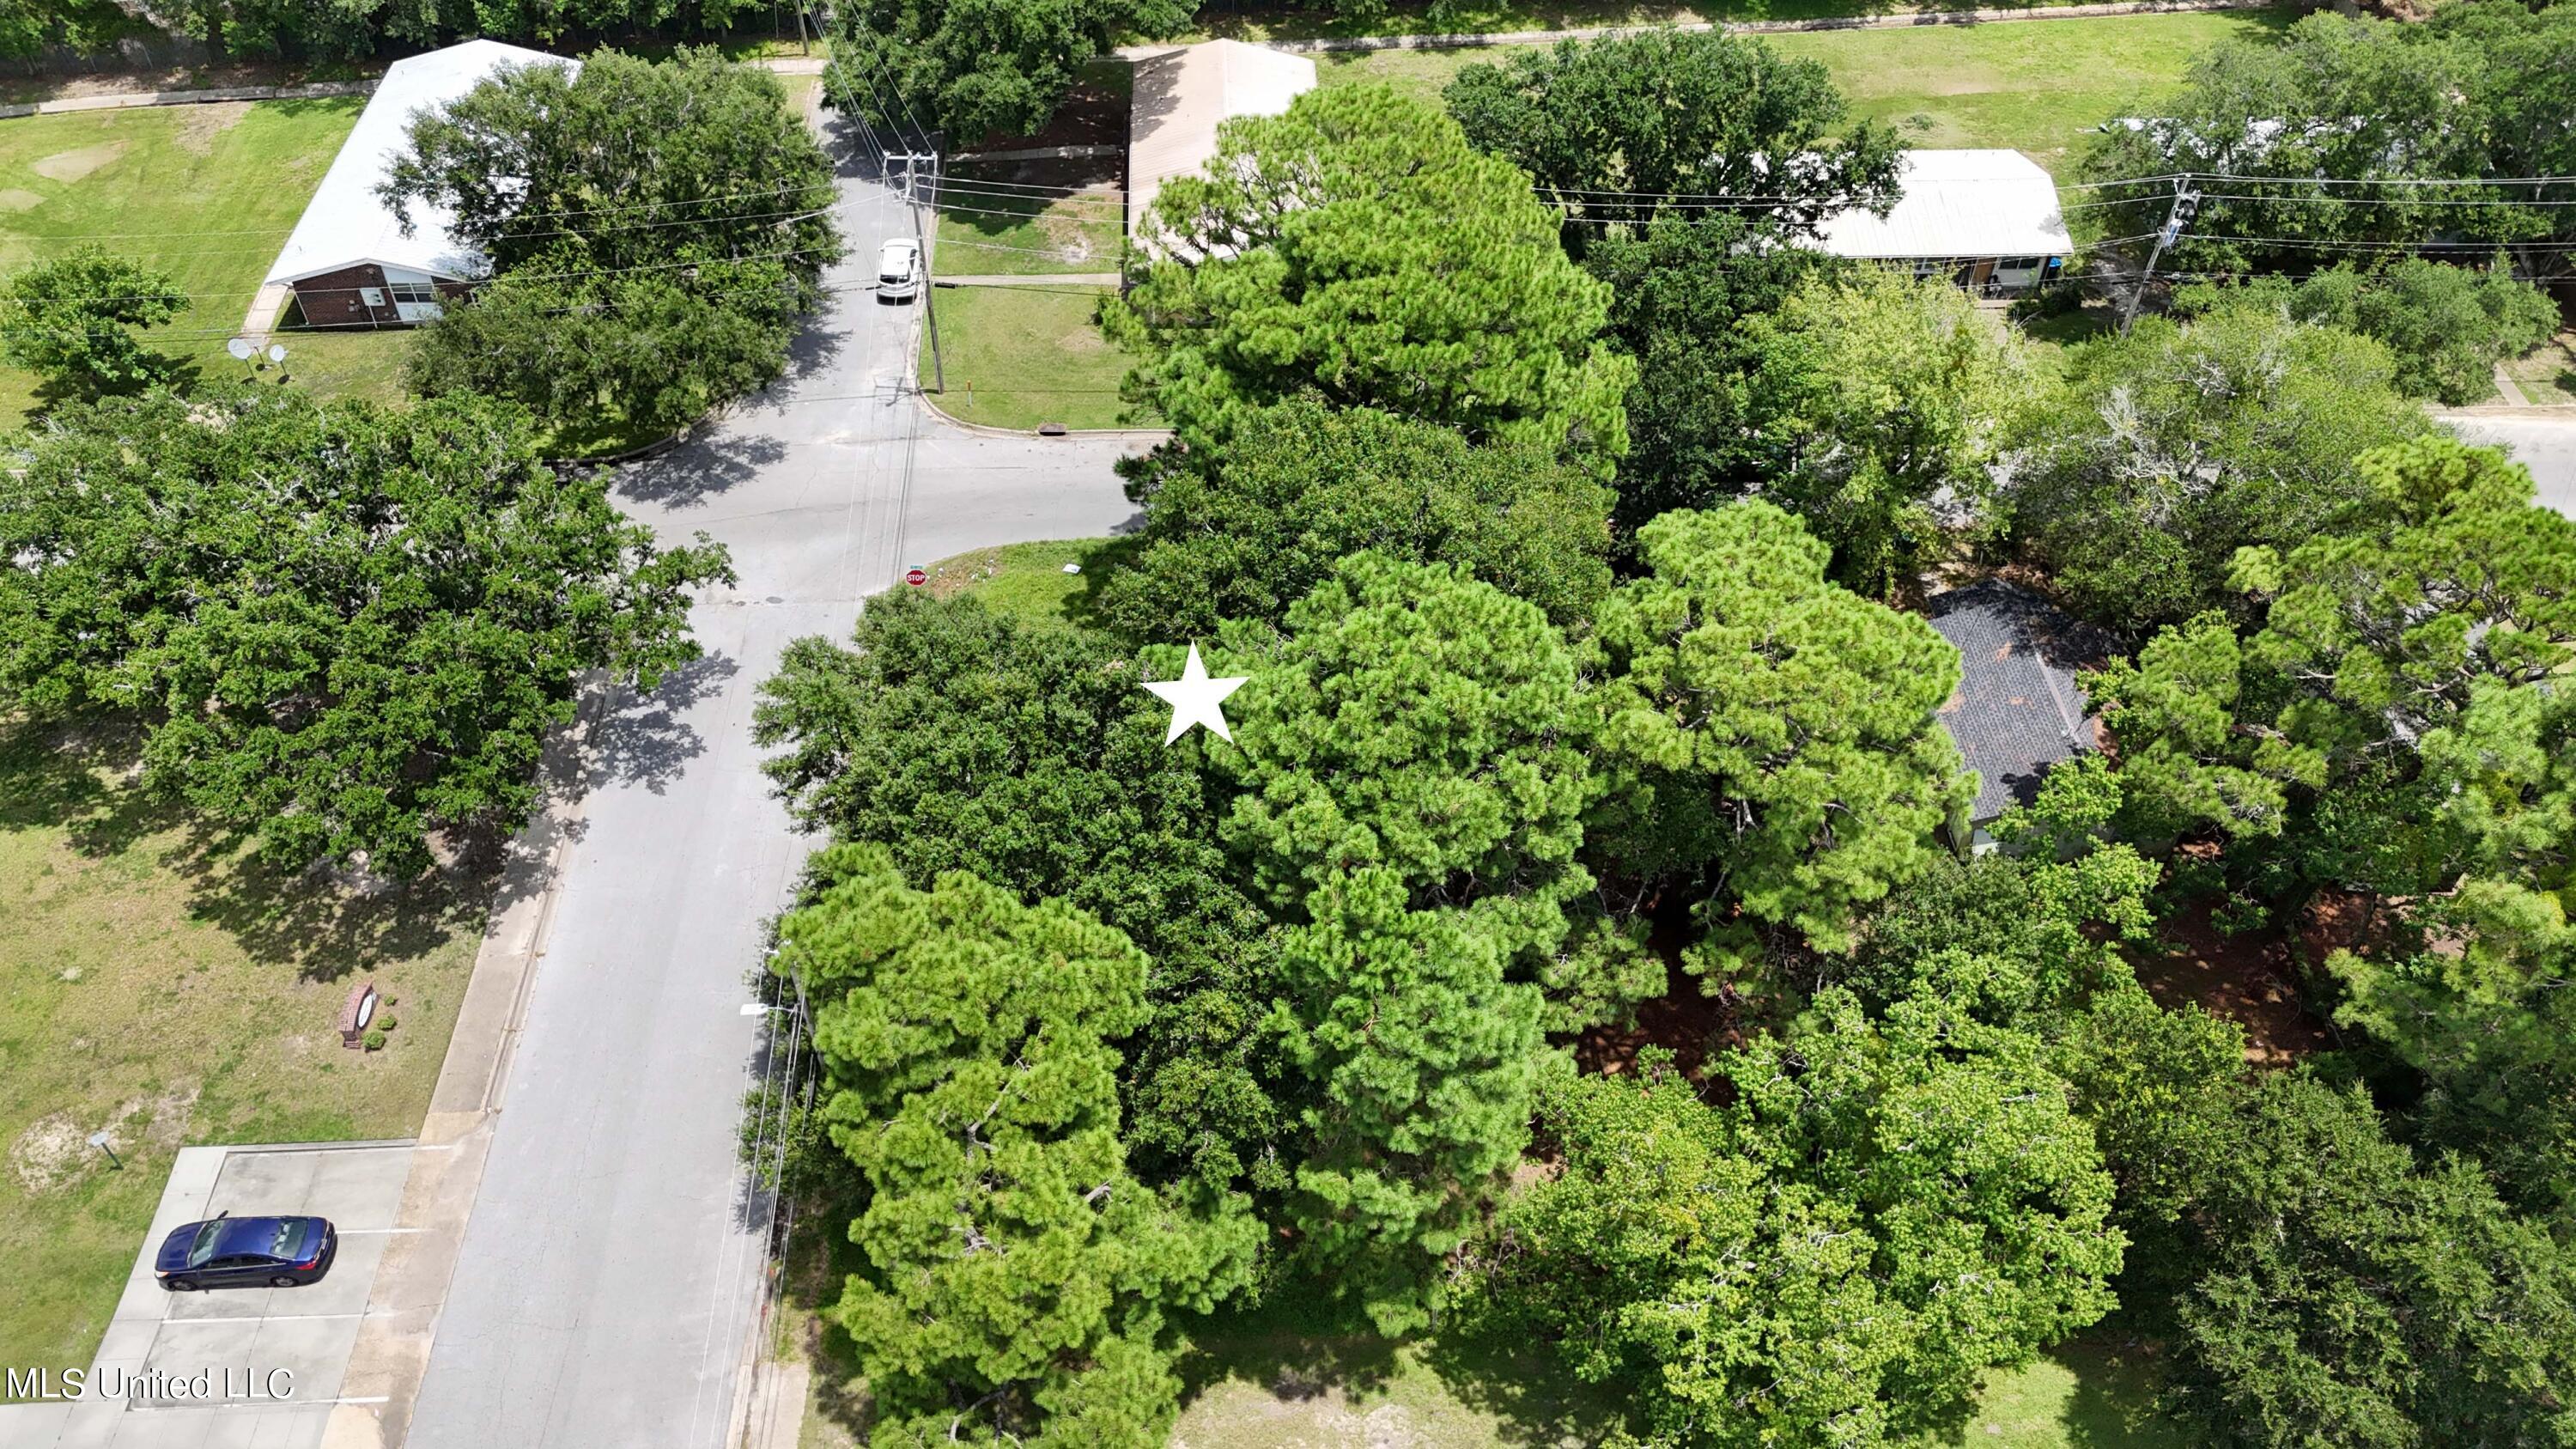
352, 261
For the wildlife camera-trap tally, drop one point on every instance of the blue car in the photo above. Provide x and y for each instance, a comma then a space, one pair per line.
227, 1252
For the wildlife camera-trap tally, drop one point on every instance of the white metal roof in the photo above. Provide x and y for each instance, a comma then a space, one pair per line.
346, 223
1959, 204
1181, 96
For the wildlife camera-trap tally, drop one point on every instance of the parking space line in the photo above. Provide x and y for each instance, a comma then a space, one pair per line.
203, 1404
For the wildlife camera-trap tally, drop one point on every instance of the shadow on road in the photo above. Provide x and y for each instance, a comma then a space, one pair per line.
643, 740
696, 471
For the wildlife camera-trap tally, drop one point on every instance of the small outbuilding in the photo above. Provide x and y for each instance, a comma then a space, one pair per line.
1183, 94
2018, 709
349, 260
1989, 220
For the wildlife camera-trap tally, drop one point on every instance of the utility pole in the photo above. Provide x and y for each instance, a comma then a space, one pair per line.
2186, 203
912, 162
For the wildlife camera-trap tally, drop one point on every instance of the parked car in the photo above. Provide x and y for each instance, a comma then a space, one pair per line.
229, 1252
899, 270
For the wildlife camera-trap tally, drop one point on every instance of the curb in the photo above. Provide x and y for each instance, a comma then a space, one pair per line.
140, 100
1477, 40
1070, 434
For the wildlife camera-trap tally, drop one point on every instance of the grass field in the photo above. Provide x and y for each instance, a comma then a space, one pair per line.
2547, 374
2037, 87
208, 194
1022, 356
149, 987
993, 232
1486, 17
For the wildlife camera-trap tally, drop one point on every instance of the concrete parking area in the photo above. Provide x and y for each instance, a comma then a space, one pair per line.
235, 1368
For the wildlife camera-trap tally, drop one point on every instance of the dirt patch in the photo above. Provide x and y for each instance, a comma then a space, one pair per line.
16, 200
1084, 339
74, 164
199, 128
49, 1154
171, 1110
2250, 979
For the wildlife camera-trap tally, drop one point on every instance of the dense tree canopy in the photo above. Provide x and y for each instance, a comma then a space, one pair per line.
1415, 720
1613, 129
342, 627
1680, 292
66, 319
2441, 575
659, 230
960, 741
1770, 728
2402, 122
2171, 448
1424, 1060
2448, 326
1245, 533
971, 68
1017, 1272
1880, 1213
1879, 402
1360, 247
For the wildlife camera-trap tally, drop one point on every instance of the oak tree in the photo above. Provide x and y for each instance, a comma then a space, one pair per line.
342, 627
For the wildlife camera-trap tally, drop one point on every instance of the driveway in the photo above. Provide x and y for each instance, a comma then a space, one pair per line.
235, 1366
2541, 439
606, 1286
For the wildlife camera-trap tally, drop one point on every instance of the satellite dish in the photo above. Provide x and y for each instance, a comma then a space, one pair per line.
277, 352
241, 349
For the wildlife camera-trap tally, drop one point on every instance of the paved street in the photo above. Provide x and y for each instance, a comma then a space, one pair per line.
2541, 439
607, 1277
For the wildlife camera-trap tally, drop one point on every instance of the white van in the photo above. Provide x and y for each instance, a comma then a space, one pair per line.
899, 270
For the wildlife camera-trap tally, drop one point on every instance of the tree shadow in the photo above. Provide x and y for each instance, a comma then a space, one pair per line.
689, 475
82, 778
644, 740
1529, 1393
1298, 1343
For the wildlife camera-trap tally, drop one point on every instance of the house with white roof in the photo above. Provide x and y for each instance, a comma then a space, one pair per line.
1989, 220
1183, 94
350, 261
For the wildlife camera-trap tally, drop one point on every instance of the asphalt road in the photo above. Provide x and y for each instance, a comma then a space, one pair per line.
2543, 440
609, 1270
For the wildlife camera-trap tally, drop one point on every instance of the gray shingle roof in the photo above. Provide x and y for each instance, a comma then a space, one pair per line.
2018, 710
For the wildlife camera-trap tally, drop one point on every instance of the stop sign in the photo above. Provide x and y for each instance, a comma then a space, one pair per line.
915, 577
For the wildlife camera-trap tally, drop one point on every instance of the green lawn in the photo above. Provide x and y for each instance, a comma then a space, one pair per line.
989, 231
1285, 1375
207, 193
2547, 374
2036, 87
1027, 581
1022, 356
1485, 17
149, 987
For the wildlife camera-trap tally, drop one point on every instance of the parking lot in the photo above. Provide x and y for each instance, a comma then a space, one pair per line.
268, 1361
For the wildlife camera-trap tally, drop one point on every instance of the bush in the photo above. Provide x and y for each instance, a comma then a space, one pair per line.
375, 1038
384, 1021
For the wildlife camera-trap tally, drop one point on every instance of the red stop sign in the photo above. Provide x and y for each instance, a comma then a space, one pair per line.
915, 577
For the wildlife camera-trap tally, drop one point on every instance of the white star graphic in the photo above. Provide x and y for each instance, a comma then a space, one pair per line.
1195, 698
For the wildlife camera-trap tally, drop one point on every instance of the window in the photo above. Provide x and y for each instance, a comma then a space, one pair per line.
2019, 264
372, 296
414, 291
